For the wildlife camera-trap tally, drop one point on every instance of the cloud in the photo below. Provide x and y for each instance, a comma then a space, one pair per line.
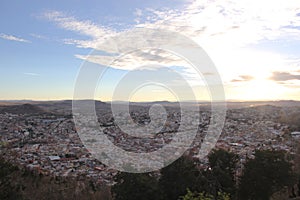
243, 78
230, 22
226, 29
93, 44
284, 76
145, 57
71, 23
149, 59
138, 13
38, 36
13, 38
31, 74
222, 28
96, 32
213, 24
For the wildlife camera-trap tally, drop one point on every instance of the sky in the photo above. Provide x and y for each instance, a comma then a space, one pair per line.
254, 45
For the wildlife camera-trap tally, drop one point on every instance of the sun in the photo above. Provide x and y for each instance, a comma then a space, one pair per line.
256, 89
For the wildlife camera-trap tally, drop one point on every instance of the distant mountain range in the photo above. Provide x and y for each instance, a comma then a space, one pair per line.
65, 106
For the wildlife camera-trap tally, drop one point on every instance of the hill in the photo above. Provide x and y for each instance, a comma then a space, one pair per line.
22, 109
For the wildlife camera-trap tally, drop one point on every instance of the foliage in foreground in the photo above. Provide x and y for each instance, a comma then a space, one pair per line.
202, 196
135, 187
264, 175
267, 173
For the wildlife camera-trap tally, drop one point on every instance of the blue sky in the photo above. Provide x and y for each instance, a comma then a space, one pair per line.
254, 45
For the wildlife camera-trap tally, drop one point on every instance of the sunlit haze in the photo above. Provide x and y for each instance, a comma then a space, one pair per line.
255, 46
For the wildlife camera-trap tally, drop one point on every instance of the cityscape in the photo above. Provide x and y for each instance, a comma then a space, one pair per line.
41, 136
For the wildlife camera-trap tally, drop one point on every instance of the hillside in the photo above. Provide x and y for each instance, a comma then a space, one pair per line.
22, 109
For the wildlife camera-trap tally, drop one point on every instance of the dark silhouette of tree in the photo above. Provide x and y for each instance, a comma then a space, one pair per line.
183, 174
8, 190
131, 186
222, 171
177, 177
202, 196
195, 196
264, 175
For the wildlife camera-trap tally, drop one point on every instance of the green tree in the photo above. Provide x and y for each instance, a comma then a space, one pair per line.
8, 190
222, 172
178, 176
202, 196
264, 175
196, 196
130, 186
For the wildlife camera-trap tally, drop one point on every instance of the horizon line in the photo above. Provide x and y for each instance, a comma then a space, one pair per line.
186, 101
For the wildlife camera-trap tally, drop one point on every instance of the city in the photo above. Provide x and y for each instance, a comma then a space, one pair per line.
39, 138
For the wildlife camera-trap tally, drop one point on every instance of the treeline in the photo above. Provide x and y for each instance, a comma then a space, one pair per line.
17, 183
269, 172
291, 118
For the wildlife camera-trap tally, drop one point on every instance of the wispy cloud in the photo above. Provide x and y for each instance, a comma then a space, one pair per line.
149, 59
284, 76
138, 14
13, 38
135, 59
223, 28
230, 22
31, 74
38, 36
243, 78
83, 27
71, 23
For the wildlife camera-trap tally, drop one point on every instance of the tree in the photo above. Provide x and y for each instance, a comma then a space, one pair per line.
177, 177
8, 190
196, 196
223, 159
202, 196
264, 175
222, 173
131, 186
